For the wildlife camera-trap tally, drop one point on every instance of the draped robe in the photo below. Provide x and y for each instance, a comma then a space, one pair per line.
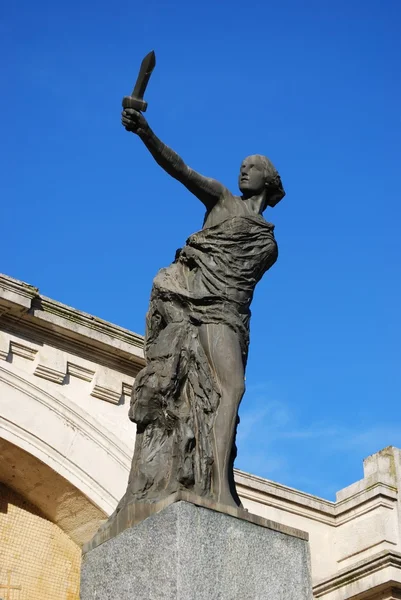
176, 397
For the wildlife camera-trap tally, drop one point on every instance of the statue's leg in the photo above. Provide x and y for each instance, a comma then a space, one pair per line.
222, 347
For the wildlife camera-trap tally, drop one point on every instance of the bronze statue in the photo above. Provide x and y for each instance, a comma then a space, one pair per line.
185, 401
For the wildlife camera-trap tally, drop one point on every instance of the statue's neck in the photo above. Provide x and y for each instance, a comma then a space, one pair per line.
256, 203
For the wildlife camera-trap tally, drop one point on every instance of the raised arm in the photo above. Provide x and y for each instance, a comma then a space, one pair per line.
207, 190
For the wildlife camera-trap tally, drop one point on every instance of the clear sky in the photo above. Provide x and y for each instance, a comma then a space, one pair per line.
89, 218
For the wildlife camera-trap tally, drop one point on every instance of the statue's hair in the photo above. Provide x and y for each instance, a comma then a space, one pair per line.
273, 181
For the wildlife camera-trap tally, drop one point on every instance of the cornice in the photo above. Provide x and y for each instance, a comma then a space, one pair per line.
364, 568
15, 286
285, 498
294, 501
24, 311
82, 319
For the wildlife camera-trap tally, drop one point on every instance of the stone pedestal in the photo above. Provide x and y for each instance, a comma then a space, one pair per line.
190, 552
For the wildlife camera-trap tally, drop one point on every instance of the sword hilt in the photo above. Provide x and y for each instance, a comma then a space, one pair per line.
131, 102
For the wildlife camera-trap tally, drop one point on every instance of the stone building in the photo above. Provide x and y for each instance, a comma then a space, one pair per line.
65, 452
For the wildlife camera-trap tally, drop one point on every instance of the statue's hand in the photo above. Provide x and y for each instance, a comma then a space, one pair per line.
134, 121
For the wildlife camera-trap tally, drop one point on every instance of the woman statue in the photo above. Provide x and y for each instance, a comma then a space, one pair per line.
185, 401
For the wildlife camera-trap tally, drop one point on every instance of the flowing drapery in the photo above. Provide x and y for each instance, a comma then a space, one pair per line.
176, 397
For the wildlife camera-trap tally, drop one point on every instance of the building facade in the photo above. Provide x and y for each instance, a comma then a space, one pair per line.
65, 452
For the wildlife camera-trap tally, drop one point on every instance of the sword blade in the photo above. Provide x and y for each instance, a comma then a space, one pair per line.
147, 66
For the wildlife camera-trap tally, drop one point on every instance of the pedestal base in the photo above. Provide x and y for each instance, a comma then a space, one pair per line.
188, 552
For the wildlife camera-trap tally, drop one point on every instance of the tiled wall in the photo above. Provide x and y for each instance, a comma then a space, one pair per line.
38, 561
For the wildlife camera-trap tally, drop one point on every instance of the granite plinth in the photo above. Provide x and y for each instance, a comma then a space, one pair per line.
188, 552
135, 512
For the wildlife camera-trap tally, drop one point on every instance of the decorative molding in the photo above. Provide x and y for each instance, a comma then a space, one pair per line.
109, 386
101, 349
381, 545
374, 499
79, 318
127, 389
358, 571
105, 393
371, 482
23, 350
75, 415
16, 296
18, 287
281, 497
103, 355
293, 501
52, 365
80, 372
91, 431
50, 374
44, 320
286, 505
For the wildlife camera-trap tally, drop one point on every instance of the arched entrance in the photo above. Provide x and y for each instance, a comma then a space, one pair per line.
44, 520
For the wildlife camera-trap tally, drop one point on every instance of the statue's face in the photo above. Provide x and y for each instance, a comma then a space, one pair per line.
252, 176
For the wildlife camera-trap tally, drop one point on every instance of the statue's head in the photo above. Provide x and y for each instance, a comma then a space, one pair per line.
257, 174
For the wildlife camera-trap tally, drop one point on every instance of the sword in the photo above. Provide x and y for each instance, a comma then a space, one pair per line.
136, 100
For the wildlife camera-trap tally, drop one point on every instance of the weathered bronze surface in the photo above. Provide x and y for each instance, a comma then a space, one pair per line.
185, 401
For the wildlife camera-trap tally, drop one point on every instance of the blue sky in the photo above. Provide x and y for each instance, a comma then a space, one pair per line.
89, 218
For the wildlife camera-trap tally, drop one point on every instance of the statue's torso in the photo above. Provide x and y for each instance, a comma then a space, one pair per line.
222, 262
227, 206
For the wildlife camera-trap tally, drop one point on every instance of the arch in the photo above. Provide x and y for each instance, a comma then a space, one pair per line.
54, 430
55, 498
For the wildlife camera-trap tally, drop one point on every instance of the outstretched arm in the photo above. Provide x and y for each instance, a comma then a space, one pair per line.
207, 190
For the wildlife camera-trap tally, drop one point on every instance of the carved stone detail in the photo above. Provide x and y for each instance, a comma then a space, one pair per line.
80, 372
107, 394
23, 350
52, 366
49, 374
127, 389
